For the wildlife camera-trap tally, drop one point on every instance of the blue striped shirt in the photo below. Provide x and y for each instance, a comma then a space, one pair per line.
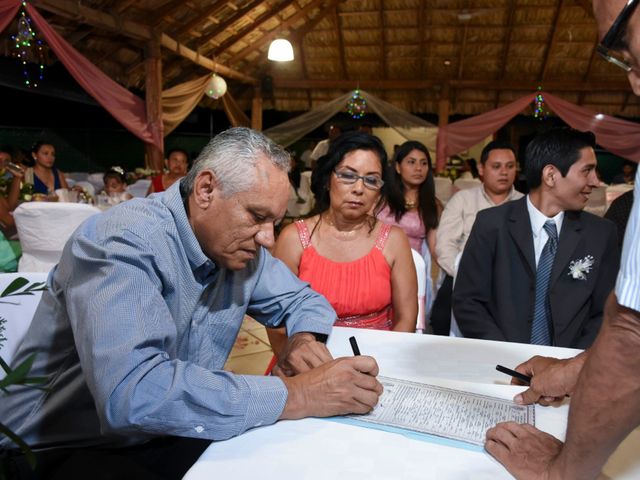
136, 327
628, 283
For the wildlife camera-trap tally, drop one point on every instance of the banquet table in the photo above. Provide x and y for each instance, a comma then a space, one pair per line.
324, 449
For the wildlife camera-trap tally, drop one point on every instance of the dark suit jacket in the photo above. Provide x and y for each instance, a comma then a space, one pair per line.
494, 292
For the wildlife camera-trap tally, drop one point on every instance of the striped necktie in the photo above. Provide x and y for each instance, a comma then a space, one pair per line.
541, 326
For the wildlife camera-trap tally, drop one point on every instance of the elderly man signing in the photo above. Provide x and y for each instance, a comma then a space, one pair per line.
143, 310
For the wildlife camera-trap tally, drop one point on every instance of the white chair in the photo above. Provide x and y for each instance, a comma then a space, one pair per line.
17, 306
421, 271
97, 180
88, 186
444, 189
300, 204
597, 203
614, 191
44, 228
76, 176
140, 188
464, 183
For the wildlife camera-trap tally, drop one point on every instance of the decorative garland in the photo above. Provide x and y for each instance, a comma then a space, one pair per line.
539, 110
357, 105
28, 48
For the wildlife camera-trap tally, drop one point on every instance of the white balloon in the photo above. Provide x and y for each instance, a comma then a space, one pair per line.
216, 87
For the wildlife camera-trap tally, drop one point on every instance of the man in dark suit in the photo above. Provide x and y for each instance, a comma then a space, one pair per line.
538, 270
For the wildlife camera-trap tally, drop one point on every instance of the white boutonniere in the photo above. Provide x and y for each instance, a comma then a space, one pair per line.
578, 269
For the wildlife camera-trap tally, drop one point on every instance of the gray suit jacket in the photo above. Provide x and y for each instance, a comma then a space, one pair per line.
494, 293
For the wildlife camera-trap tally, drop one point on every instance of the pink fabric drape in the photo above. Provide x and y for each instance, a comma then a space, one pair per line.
459, 136
621, 137
8, 11
125, 107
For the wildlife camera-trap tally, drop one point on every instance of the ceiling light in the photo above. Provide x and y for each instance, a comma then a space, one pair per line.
280, 50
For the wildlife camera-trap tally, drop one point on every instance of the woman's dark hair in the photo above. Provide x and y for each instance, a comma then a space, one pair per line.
36, 146
115, 172
338, 149
427, 205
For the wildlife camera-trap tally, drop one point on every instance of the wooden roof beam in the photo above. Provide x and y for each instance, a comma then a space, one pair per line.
587, 75
123, 5
586, 6
462, 48
383, 47
135, 30
303, 63
558, 85
255, 24
230, 20
286, 24
343, 61
507, 47
552, 41
200, 18
166, 10
422, 49
179, 49
325, 10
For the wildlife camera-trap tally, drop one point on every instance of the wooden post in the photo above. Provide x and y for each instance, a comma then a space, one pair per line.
443, 106
153, 97
443, 118
256, 109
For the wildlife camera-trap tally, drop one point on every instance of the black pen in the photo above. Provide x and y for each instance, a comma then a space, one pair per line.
513, 373
354, 346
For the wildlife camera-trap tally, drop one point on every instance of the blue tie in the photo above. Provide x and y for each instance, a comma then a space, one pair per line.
541, 327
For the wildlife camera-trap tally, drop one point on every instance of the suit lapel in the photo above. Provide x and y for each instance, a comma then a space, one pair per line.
520, 230
569, 238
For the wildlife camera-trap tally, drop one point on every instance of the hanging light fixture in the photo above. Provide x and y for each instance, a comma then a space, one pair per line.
280, 50
216, 87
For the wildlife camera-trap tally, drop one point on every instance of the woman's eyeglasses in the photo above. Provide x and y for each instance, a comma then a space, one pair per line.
615, 36
349, 178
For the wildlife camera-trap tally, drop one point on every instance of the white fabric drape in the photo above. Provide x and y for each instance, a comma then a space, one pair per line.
408, 126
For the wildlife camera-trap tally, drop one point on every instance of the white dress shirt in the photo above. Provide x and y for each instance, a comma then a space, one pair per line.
538, 219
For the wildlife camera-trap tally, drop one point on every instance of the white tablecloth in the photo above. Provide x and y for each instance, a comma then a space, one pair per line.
323, 449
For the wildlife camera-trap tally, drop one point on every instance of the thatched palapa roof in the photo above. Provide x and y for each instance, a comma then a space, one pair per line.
416, 54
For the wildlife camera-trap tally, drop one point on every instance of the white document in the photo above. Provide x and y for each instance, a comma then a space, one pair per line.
444, 412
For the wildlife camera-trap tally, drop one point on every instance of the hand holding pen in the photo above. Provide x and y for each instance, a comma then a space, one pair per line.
551, 379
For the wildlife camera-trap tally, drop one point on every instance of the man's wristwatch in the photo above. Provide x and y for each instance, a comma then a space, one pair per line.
320, 337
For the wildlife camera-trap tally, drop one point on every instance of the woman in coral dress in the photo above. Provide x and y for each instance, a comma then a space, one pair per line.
362, 266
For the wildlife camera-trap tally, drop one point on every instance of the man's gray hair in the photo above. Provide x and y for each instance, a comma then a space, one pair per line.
233, 156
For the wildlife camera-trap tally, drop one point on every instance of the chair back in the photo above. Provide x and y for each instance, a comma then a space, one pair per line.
444, 189
421, 271
88, 186
597, 203
140, 188
97, 180
464, 183
614, 191
300, 204
44, 228
20, 294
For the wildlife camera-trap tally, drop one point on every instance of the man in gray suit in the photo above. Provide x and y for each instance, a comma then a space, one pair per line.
538, 270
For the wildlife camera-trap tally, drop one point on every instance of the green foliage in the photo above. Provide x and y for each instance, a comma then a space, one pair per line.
20, 374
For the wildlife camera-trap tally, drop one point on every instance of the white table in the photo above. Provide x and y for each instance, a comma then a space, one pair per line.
322, 449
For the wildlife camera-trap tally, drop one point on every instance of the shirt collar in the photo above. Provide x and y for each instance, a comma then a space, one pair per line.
200, 264
488, 198
538, 219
